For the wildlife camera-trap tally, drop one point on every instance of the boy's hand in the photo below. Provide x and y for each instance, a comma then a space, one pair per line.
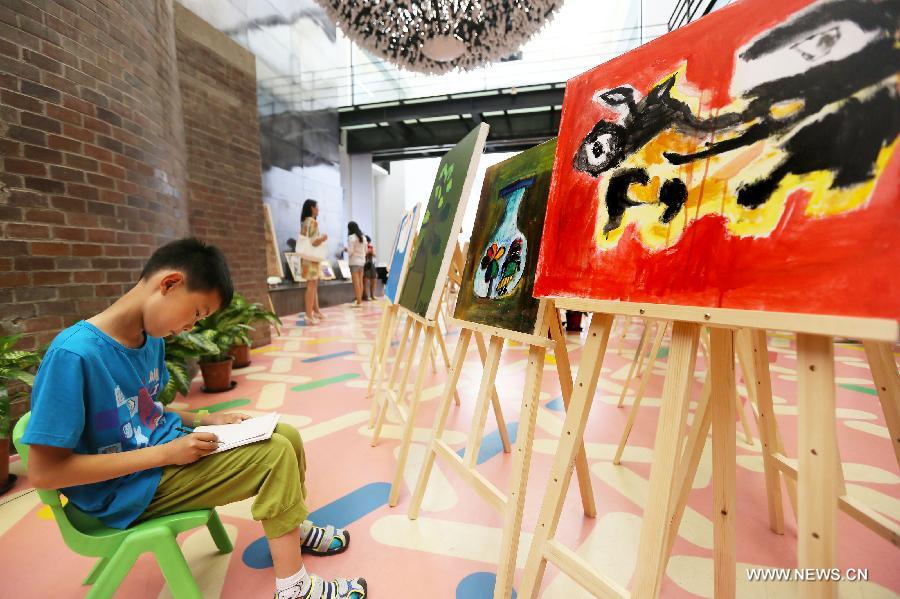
232, 418
190, 448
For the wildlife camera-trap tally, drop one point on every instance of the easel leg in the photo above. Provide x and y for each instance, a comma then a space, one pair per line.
379, 406
759, 378
625, 322
676, 392
635, 406
410, 421
887, 384
817, 528
399, 392
723, 457
564, 372
495, 399
443, 346
573, 434
476, 429
636, 362
440, 422
381, 349
515, 500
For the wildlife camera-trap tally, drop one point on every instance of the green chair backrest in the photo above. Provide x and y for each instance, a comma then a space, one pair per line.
82, 533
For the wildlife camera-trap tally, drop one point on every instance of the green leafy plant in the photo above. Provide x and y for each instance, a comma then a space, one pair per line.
16, 370
181, 349
248, 313
231, 326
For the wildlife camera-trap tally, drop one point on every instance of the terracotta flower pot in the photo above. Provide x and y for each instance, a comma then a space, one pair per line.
4, 466
217, 375
241, 355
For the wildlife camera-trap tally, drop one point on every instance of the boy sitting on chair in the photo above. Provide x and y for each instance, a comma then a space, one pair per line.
97, 433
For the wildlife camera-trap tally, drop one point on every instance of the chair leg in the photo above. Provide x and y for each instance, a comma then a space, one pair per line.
175, 568
96, 571
214, 524
117, 567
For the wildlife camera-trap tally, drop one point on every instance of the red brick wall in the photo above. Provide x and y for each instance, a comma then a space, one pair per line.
218, 90
91, 155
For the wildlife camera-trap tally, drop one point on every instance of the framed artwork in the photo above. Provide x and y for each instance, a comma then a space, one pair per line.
403, 239
293, 260
326, 271
344, 269
502, 254
434, 246
761, 176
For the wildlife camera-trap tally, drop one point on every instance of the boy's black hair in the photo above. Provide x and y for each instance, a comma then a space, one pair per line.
353, 229
204, 266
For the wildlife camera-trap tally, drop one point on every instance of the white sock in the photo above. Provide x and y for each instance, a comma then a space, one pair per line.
295, 580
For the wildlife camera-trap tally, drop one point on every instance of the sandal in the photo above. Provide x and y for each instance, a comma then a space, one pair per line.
323, 540
318, 588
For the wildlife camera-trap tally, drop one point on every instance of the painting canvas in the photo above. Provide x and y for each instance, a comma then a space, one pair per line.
498, 280
293, 260
344, 269
326, 272
433, 249
761, 176
399, 263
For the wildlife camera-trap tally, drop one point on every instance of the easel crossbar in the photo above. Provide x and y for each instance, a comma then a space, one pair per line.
579, 570
482, 486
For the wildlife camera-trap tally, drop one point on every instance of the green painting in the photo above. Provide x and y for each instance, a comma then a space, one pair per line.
503, 251
441, 224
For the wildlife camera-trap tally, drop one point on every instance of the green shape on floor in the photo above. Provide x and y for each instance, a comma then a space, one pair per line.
860, 388
662, 353
225, 405
324, 382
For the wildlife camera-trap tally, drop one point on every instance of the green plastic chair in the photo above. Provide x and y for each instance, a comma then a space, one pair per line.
119, 549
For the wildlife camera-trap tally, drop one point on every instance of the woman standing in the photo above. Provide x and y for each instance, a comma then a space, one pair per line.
309, 227
356, 251
369, 272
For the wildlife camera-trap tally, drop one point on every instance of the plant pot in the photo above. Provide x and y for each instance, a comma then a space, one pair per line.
217, 375
241, 355
5, 481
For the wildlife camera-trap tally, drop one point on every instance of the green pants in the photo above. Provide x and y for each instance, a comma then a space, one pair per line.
273, 471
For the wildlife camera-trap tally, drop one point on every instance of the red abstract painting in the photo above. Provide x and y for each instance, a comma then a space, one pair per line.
746, 161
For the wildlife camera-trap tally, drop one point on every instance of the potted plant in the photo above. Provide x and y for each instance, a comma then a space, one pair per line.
223, 331
16, 376
182, 353
247, 313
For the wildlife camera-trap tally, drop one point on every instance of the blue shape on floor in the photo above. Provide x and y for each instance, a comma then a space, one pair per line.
340, 513
395, 343
556, 404
329, 356
491, 444
478, 585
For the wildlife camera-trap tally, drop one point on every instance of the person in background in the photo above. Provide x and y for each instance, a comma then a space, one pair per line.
369, 273
356, 256
309, 227
286, 267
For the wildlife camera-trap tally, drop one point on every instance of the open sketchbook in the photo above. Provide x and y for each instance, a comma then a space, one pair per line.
242, 433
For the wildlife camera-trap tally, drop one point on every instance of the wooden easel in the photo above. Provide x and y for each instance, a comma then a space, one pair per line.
511, 504
818, 486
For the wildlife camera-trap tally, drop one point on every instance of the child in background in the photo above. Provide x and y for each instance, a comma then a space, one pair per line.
369, 272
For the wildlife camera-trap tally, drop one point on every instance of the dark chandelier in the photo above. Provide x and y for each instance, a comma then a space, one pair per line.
437, 36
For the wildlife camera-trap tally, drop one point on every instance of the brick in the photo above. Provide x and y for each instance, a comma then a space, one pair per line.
78, 133
42, 154
64, 114
78, 105
69, 233
64, 143
97, 125
45, 63
22, 101
27, 231
24, 167
42, 215
100, 181
42, 123
46, 185
108, 290
111, 170
51, 277
121, 276
86, 249
116, 251
58, 54
29, 88
76, 264
82, 191
26, 134
62, 173
14, 279
35, 294
76, 291
68, 204
82, 163
43, 323
75, 219
42, 248
98, 153
57, 308
90, 276
109, 143
101, 236
109, 116
29, 263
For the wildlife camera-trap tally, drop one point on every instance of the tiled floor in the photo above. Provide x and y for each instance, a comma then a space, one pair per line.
317, 377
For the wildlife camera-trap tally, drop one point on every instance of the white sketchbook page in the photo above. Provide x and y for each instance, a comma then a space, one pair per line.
242, 433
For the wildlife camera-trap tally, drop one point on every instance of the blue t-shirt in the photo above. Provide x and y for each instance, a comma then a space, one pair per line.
94, 395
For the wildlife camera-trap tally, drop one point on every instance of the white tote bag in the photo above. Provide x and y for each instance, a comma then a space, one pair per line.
308, 251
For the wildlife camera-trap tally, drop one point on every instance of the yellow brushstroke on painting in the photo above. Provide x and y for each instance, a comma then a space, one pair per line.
208, 566
786, 108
